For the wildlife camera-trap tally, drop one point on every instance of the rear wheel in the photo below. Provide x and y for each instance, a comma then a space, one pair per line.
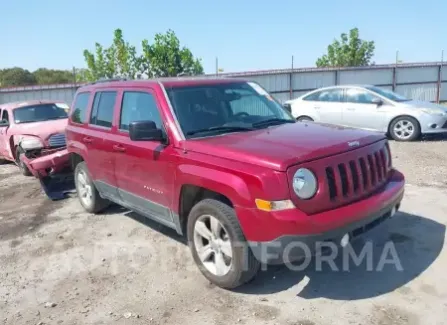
19, 161
218, 245
405, 128
87, 192
304, 119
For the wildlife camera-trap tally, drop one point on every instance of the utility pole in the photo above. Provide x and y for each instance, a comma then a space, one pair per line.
217, 66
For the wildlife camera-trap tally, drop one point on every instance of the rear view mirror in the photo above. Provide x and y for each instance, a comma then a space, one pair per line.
145, 131
377, 101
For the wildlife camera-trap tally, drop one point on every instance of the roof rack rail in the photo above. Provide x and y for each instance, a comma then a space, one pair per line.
107, 80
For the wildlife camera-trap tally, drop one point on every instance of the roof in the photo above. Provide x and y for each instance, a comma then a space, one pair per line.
166, 82
14, 105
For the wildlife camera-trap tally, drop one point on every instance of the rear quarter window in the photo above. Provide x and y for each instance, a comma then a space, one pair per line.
79, 111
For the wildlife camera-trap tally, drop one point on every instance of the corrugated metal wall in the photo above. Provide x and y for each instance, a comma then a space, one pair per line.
63, 93
417, 81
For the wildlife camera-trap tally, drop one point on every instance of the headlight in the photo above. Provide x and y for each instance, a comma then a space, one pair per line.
30, 143
432, 111
304, 183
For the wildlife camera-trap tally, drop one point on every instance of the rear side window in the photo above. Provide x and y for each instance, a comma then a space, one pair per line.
139, 106
103, 105
79, 113
327, 95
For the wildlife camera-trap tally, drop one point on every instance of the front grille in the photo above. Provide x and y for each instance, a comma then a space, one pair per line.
357, 176
345, 178
57, 140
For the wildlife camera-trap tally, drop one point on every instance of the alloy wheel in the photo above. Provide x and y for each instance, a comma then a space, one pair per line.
404, 129
213, 245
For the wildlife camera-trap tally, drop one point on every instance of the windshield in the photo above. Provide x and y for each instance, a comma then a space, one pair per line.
388, 94
39, 113
226, 107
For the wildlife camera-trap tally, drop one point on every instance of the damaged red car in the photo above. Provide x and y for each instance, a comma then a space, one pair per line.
30, 130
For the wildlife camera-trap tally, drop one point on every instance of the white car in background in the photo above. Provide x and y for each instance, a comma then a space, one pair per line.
372, 108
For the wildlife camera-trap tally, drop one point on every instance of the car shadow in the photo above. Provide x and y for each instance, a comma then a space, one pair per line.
416, 241
434, 137
154, 225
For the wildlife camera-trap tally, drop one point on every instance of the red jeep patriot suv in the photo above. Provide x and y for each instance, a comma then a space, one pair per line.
222, 162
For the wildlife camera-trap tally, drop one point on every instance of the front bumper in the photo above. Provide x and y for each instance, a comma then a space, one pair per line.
54, 173
47, 164
291, 235
433, 124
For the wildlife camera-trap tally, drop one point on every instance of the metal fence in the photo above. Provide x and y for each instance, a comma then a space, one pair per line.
421, 81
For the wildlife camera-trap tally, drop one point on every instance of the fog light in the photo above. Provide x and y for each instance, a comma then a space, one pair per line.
344, 240
433, 126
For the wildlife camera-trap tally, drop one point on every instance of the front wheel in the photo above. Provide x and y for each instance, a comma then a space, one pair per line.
218, 246
405, 128
19, 161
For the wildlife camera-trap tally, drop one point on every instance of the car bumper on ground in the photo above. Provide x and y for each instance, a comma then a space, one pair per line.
302, 236
433, 124
54, 173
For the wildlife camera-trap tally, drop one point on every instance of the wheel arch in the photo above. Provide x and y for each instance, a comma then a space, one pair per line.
75, 159
399, 116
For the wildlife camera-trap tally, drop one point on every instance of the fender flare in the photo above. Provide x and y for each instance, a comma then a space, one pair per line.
230, 185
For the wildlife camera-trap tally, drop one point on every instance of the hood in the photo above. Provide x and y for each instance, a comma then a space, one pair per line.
285, 145
42, 129
422, 104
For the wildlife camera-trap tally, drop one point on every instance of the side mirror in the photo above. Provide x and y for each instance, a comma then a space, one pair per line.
4, 124
377, 101
145, 131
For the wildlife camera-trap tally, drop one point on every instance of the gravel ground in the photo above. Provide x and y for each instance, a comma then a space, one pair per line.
60, 265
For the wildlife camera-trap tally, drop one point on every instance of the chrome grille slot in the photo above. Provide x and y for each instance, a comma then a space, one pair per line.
331, 183
344, 179
57, 140
356, 176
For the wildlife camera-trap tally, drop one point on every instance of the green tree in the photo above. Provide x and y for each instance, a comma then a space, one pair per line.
165, 58
49, 76
349, 51
118, 60
16, 76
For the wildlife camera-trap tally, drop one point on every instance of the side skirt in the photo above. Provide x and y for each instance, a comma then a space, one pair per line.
143, 206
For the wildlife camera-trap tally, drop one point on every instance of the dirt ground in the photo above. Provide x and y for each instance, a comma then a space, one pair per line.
60, 265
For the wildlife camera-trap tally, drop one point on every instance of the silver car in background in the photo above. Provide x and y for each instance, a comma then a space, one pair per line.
372, 108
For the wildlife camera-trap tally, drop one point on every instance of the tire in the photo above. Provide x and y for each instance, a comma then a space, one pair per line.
2, 161
305, 119
23, 169
244, 266
92, 202
407, 123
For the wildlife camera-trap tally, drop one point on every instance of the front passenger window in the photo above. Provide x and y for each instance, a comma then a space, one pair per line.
359, 96
139, 106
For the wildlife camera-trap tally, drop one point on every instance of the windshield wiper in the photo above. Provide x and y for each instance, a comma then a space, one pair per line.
221, 128
272, 121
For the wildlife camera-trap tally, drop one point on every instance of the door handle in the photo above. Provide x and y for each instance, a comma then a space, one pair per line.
317, 107
87, 140
118, 147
